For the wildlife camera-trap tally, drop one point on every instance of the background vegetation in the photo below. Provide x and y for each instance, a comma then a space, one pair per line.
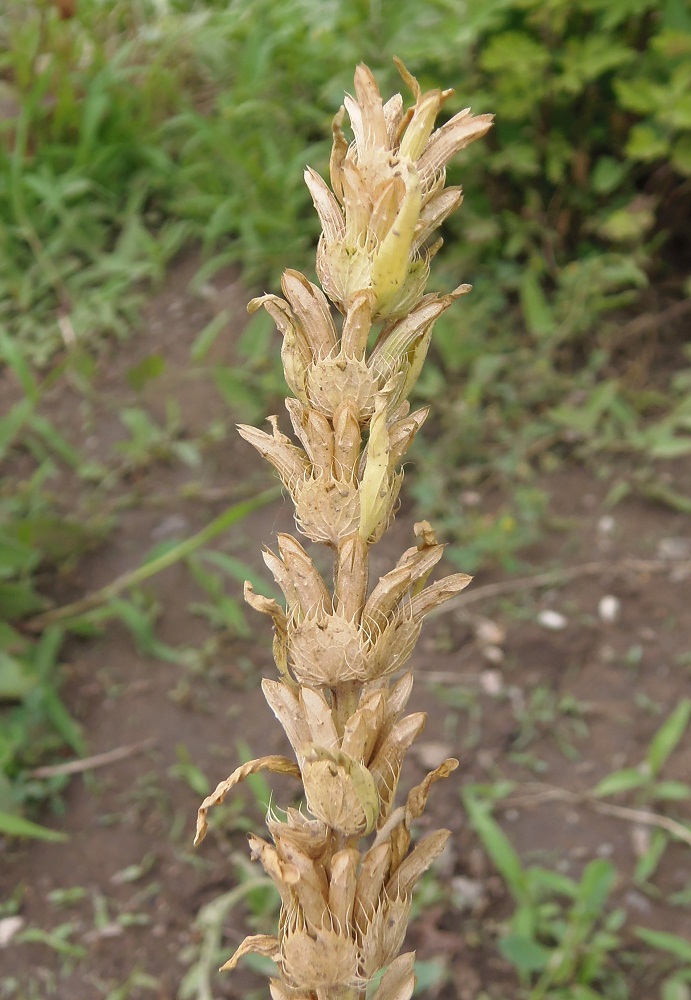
136, 129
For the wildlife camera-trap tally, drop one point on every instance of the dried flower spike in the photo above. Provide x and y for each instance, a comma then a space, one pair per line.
340, 649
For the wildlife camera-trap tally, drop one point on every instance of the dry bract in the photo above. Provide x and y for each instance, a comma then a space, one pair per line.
340, 649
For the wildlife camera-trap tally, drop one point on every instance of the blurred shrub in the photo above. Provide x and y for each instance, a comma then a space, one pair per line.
133, 125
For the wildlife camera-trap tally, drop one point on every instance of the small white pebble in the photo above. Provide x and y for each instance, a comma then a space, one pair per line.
488, 632
170, 525
605, 850
674, 548
636, 901
640, 840
493, 654
609, 608
605, 526
552, 620
431, 754
470, 498
491, 682
467, 893
9, 926
111, 930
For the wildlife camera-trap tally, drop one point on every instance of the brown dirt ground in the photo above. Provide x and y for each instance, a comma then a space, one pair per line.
615, 681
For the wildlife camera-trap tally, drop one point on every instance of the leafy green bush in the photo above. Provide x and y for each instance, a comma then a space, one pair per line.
82, 171
134, 116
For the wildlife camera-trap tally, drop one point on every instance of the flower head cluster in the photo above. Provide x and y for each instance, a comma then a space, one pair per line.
341, 650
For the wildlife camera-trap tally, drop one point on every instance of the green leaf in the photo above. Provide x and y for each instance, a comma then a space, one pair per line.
429, 974
525, 953
15, 556
56, 939
15, 681
537, 312
233, 387
18, 600
579, 992
60, 445
672, 943
589, 56
650, 859
11, 353
646, 143
141, 625
205, 340
595, 885
497, 845
553, 882
628, 224
63, 722
620, 781
639, 94
17, 826
670, 447
668, 735
54, 537
608, 174
672, 791
675, 988
681, 155
149, 368
676, 19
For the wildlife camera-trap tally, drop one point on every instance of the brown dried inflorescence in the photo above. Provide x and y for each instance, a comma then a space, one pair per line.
340, 650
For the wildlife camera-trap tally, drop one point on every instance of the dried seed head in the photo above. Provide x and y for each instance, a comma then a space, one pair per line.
331, 381
343, 915
382, 936
327, 509
327, 650
311, 836
340, 791
388, 195
290, 462
398, 982
386, 765
319, 958
342, 887
417, 863
379, 484
281, 991
310, 887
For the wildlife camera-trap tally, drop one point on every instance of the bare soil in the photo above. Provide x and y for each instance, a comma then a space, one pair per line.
552, 709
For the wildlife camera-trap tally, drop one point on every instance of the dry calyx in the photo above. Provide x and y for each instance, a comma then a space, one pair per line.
340, 650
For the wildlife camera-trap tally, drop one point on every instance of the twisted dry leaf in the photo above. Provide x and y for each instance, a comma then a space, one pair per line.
274, 762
